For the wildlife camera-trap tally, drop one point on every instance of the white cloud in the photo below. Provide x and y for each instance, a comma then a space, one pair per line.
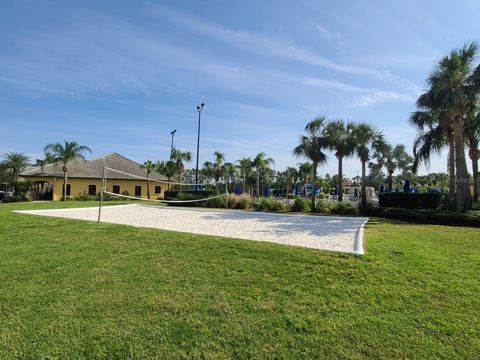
378, 97
323, 31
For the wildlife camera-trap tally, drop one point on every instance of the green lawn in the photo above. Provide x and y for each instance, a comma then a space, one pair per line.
72, 289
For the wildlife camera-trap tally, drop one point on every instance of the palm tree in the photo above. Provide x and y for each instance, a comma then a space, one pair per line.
304, 172
167, 168
219, 160
455, 80
261, 164
245, 167
229, 171
64, 153
311, 146
14, 163
149, 166
393, 158
48, 159
178, 158
341, 139
367, 138
290, 176
472, 137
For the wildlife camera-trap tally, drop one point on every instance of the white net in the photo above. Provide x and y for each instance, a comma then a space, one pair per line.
199, 186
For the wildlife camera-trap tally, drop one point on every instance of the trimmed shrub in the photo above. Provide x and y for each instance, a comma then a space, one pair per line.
301, 205
14, 199
344, 208
410, 200
471, 219
265, 204
86, 197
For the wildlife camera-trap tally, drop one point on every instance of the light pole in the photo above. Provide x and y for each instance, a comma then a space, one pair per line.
171, 147
199, 110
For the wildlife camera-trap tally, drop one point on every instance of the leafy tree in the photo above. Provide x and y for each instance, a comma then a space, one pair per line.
311, 146
65, 153
304, 172
48, 159
14, 163
341, 139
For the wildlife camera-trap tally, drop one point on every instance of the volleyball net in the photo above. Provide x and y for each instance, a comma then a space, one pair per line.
181, 187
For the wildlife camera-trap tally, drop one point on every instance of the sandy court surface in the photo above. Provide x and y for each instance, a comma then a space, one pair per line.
343, 234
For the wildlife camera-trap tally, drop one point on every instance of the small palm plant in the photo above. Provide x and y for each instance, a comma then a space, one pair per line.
65, 153
14, 163
311, 146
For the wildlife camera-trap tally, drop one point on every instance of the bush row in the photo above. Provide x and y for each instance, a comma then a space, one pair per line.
471, 219
245, 201
410, 200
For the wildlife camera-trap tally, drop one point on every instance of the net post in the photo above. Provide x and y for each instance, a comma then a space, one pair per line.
226, 196
101, 193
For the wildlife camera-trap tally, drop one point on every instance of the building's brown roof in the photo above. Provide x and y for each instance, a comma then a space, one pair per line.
93, 169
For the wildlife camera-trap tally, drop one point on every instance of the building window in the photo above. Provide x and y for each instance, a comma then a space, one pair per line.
138, 191
92, 189
158, 189
69, 189
116, 189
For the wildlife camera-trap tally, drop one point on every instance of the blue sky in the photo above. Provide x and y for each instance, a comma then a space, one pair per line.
119, 76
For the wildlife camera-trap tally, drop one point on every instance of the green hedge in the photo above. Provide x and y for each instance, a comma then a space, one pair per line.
200, 194
410, 200
471, 219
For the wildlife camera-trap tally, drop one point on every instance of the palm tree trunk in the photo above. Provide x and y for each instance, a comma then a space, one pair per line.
244, 182
364, 187
464, 199
390, 180
258, 184
451, 167
340, 178
314, 181
287, 194
65, 185
474, 157
148, 185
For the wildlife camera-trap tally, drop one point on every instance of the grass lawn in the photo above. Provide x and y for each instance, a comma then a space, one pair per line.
73, 289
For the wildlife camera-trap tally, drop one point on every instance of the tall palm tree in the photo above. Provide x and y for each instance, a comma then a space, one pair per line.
219, 160
367, 138
64, 153
167, 168
261, 164
14, 163
149, 166
245, 167
454, 80
311, 146
341, 139
290, 176
472, 137
393, 158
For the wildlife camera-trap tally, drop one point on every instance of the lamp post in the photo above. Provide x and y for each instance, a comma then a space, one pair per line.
171, 147
199, 110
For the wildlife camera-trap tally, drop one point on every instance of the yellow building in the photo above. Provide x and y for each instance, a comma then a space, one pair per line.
85, 177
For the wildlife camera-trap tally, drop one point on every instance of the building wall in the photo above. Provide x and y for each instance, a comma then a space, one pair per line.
78, 186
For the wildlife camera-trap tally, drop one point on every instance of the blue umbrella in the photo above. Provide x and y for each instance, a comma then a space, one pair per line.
406, 186
237, 190
335, 191
355, 193
266, 191
382, 188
